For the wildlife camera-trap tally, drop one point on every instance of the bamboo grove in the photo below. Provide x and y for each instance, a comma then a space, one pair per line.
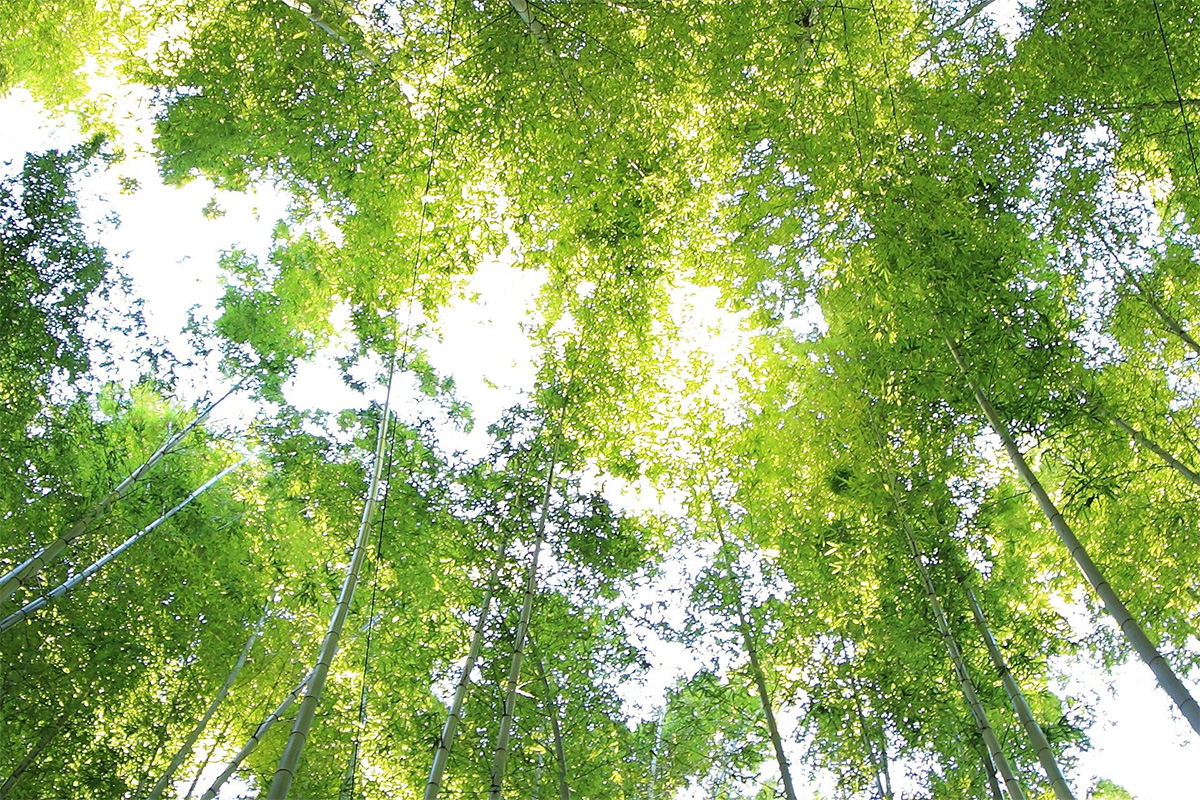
941, 404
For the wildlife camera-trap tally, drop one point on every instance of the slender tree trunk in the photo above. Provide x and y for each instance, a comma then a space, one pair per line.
535, 27
261, 731
1153, 447
191, 790
883, 780
764, 695
538, 769
281, 784
442, 755
551, 699
658, 732
1154, 105
960, 664
186, 747
49, 731
164, 730
989, 771
346, 789
500, 760
24, 573
760, 679
1169, 322
719, 783
311, 14
1134, 634
32, 606
883, 763
1033, 731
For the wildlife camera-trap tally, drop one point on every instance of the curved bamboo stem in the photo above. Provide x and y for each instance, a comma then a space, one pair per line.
261, 731
186, 747
288, 762
551, 700
760, 680
442, 755
1170, 460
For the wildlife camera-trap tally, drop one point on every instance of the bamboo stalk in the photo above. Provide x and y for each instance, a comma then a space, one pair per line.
965, 682
1133, 632
289, 761
878, 761
261, 731
1033, 731
1170, 460
764, 696
32, 606
760, 680
966, 17
500, 759
190, 741
23, 573
658, 732
207, 760
551, 698
442, 755
1169, 322
535, 27
989, 771
309, 11
49, 731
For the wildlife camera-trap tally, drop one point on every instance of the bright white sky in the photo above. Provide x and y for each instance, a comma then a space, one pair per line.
172, 253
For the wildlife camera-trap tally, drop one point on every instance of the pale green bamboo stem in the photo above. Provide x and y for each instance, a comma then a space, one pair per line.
207, 760
989, 772
48, 733
878, 761
760, 680
500, 759
190, 741
964, 18
32, 606
1154, 447
310, 13
442, 755
290, 760
535, 27
262, 730
560, 752
1137, 638
965, 682
658, 732
25, 572
1033, 731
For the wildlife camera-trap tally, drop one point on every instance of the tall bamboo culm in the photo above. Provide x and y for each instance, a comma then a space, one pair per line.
75, 580
1033, 731
442, 755
500, 759
25, 572
281, 784
190, 741
1137, 638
